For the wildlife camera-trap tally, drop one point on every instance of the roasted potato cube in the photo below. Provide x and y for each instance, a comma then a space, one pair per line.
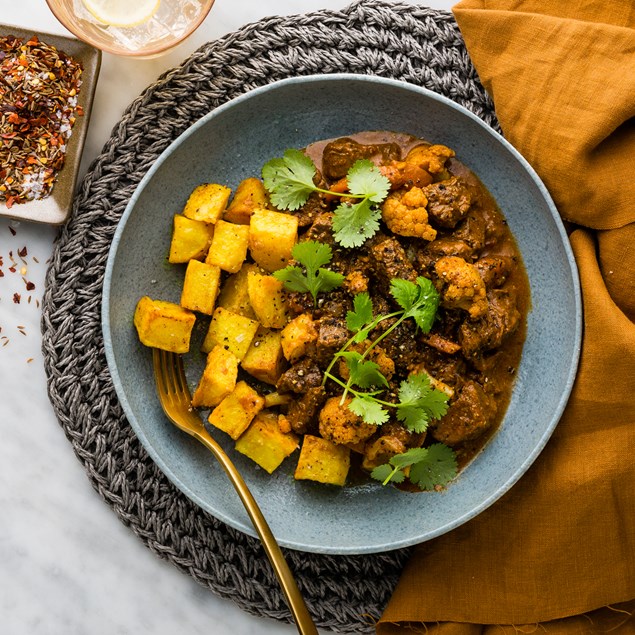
234, 294
190, 239
264, 442
231, 331
164, 325
271, 238
322, 461
200, 287
249, 196
264, 359
207, 202
298, 336
218, 379
229, 246
267, 299
234, 414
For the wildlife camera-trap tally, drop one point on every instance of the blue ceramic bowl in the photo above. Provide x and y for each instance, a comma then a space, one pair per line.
233, 142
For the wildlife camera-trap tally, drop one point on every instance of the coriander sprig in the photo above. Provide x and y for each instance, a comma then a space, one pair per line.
418, 301
311, 277
289, 181
418, 401
428, 468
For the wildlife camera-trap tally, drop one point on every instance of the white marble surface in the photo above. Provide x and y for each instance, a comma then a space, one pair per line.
68, 566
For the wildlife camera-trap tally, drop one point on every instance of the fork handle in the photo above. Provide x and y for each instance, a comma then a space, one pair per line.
303, 619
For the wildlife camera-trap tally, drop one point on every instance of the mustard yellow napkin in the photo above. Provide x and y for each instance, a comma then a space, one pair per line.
557, 553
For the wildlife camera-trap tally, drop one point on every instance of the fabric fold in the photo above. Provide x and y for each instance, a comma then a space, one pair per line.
563, 90
557, 552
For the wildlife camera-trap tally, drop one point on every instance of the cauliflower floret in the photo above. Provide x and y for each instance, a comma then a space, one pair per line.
356, 282
431, 158
405, 214
342, 426
462, 286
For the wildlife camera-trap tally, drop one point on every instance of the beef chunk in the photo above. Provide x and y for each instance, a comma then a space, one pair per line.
442, 344
489, 331
339, 155
472, 230
495, 226
401, 345
440, 248
302, 413
315, 205
494, 270
300, 377
336, 303
468, 417
389, 440
448, 201
389, 260
449, 369
321, 229
332, 335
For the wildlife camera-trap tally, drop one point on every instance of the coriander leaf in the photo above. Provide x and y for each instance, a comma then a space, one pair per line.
437, 469
362, 313
414, 389
437, 403
314, 278
293, 278
363, 373
354, 223
327, 280
414, 418
404, 292
419, 301
312, 254
419, 402
426, 306
409, 457
365, 179
385, 473
289, 180
368, 409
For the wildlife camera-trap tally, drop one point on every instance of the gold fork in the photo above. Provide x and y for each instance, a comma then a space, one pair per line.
175, 399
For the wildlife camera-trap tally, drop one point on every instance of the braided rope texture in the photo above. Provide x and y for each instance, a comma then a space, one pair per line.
345, 594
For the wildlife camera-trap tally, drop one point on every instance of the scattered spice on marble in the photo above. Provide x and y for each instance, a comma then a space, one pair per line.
15, 259
39, 85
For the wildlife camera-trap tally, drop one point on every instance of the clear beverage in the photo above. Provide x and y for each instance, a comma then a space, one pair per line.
167, 26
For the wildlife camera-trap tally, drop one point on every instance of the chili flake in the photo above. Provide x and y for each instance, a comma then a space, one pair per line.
38, 106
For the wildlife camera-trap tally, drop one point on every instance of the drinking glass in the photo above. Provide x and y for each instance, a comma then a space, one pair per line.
170, 24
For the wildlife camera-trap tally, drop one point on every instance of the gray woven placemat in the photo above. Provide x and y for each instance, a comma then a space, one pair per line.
415, 44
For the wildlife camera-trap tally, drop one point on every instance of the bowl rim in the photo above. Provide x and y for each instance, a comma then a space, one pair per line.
521, 468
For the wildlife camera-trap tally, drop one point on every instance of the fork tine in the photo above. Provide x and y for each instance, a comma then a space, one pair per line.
158, 372
179, 376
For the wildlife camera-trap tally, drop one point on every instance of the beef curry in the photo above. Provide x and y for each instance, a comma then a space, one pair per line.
465, 247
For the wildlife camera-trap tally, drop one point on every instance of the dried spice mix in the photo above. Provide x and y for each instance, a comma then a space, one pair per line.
38, 106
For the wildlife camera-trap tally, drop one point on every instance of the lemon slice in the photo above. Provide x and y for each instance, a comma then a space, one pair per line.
122, 12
